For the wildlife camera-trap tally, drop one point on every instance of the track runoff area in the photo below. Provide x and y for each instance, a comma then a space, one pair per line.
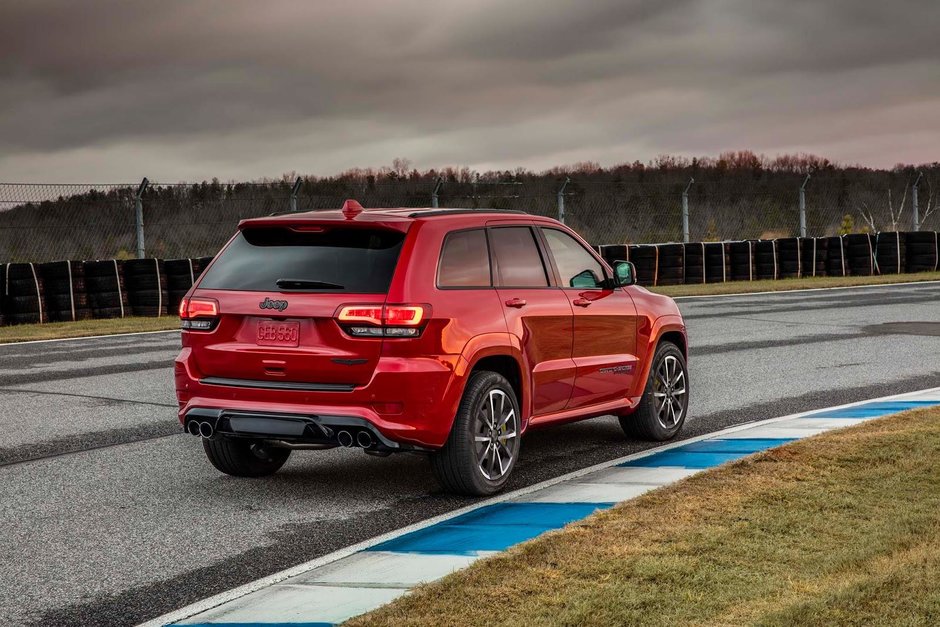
361, 578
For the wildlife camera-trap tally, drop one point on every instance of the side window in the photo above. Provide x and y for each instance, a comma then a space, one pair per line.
577, 267
518, 262
465, 260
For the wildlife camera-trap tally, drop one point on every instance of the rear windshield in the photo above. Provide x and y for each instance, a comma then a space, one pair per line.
337, 260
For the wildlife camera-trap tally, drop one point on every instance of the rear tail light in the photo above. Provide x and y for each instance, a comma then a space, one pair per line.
199, 314
383, 320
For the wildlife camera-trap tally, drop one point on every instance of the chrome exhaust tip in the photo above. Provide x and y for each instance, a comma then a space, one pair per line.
345, 438
364, 439
206, 430
192, 427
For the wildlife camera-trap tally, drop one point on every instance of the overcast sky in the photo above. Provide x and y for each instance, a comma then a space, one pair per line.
242, 89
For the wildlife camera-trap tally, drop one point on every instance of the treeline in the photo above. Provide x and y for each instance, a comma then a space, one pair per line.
737, 195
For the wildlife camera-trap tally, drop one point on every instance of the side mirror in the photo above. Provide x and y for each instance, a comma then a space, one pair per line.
624, 273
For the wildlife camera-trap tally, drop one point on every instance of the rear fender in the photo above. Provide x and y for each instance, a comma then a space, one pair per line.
495, 345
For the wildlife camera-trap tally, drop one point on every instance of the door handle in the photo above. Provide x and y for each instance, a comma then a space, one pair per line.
581, 302
518, 303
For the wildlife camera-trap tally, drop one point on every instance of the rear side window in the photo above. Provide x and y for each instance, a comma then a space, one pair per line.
337, 260
518, 262
465, 260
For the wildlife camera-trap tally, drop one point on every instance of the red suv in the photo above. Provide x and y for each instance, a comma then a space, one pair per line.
444, 331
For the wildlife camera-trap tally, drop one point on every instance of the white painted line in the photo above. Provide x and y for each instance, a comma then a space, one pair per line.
806, 289
86, 337
304, 604
588, 492
205, 605
383, 568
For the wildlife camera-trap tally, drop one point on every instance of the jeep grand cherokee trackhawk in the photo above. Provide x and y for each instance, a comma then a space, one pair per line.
449, 332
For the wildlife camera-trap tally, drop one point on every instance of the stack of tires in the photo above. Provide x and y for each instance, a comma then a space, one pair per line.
146, 286
180, 275
923, 251
860, 254
741, 261
891, 252
671, 264
63, 290
611, 253
789, 260
837, 263
694, 262
22, 290
201, 263
107, 293
766, 263
3, 272
716, 262
646, 260
813, 255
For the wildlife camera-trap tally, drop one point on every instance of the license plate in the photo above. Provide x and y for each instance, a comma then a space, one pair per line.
272, 333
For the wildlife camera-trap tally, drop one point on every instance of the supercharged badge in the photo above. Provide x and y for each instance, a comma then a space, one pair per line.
267, 303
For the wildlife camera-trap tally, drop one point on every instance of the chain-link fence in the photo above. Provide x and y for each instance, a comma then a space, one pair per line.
44, 222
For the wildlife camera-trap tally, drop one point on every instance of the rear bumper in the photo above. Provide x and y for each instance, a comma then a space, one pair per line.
409, 403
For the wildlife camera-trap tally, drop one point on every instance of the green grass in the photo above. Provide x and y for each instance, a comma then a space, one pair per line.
85, 328
839, 529
744, 287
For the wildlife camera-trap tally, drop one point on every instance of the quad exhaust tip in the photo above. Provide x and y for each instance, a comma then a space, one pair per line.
193, 427
345, 438
206, 430
364, 439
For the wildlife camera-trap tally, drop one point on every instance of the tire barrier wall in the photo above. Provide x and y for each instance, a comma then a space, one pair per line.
792, 257
61, 291
75, 290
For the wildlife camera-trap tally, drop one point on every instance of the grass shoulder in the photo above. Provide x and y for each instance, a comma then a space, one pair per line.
782, 285
85, 328
836, 529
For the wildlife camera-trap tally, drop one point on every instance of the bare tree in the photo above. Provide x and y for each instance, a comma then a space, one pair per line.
866, 210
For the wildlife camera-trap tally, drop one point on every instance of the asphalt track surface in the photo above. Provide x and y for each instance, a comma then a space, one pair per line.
110, 515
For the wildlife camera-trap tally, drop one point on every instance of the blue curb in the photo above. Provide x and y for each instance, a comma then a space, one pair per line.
491, 528
744, 445
872, 410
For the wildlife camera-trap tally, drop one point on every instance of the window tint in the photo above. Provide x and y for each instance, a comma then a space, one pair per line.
465, 260
577, 267
336, 260
518, 261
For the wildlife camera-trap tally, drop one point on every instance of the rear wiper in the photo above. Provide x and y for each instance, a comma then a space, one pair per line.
304, 284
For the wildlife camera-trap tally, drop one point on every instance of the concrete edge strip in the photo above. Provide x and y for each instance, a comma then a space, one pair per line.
241, 591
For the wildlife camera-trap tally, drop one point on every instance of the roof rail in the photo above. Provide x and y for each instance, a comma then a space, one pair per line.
445, 212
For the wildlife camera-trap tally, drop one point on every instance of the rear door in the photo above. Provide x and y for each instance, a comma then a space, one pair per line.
536, 313
605, 322
279, 289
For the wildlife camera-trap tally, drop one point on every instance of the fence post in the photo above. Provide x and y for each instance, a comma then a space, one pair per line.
685, 211
803, 206
293, 195
139, 217
914, 204
437, 188
561, 200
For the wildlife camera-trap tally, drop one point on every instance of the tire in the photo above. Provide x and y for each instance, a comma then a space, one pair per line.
240, 459
460, 465
644, 423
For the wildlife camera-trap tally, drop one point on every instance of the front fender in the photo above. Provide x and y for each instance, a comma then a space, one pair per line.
649, 334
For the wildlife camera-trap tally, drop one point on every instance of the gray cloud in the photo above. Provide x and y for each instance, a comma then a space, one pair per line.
241, 89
